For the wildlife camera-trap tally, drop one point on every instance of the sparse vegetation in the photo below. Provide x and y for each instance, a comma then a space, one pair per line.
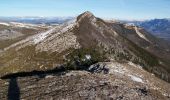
78, 60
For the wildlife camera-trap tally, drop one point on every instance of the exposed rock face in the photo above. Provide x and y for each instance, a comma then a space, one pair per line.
94, 30
86, 15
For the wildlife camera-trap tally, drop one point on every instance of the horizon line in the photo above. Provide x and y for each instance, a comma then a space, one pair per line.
108, 18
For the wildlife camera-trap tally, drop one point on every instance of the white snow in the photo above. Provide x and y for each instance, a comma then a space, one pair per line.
24, 25
6, 24
88, 57
130, 24
32, 39
69, 25
140, 34
160, 62
136, 79
18, 24
49, 76
40, 37
35, 39
119, 69
130, 63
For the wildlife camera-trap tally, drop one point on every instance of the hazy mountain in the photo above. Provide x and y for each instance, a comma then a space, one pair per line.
88, 58
36, 20
158, 27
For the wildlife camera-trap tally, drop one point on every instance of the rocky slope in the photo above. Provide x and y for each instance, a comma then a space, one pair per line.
102, 81
121, 41
115, 41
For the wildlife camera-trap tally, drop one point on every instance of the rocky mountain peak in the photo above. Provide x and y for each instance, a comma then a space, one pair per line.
86, 16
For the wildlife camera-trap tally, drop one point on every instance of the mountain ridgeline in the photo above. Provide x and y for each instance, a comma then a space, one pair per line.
91, 38
158, 27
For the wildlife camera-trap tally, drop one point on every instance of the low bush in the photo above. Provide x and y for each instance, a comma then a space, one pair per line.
84, 57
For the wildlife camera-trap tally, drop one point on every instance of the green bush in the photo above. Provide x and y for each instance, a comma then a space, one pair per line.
77, 59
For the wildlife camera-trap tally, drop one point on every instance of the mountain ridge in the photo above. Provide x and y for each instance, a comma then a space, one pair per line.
116, 41
87, 58
157, 27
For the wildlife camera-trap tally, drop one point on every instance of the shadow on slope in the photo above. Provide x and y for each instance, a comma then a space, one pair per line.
13, 90
40, 74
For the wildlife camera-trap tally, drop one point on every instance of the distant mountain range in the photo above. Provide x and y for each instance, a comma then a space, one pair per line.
36, 20
158, 27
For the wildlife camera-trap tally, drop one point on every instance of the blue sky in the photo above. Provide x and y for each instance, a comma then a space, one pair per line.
119, 9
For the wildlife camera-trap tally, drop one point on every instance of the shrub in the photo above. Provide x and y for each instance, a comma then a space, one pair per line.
78, 60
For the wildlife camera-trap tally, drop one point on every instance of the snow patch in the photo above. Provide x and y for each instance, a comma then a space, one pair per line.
18, 24
136, 79
140, 34
24, 25
40, 37
115, 33
119, 69
160, 62
132, 64
6, 24
130, 24
88, 57
49, 76
69, 26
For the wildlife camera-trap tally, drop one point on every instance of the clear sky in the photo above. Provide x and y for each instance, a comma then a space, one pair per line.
119, 9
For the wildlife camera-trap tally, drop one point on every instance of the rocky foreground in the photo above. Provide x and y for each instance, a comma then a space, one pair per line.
101, 81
